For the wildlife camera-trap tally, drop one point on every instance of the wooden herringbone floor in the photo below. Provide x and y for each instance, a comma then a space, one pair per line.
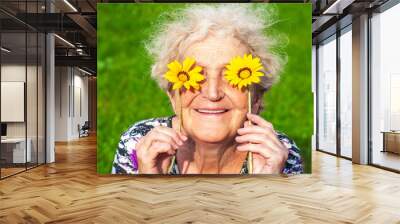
70, 191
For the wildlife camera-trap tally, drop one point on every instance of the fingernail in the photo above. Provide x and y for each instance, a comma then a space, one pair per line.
184, 137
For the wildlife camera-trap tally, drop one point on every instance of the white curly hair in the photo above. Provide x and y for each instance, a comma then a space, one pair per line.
248, 23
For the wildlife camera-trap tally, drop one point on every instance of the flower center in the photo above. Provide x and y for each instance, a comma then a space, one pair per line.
244, 73
183, 76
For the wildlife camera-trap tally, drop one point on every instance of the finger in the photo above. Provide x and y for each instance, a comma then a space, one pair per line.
172, 133
158, 136
259, 121
171, 152
277, 147
183, 136
261, 149
144, 142
181, 133
158, 147
139, 143
254, 129
252, 138
258, 139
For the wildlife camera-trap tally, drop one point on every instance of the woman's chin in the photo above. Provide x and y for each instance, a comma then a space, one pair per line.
211, 136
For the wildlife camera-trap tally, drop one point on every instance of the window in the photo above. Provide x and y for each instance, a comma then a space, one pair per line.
346, 92
385, 89
22, 78
327, 95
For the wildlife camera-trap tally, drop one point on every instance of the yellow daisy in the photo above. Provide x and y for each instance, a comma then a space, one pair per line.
183, 74
244, 71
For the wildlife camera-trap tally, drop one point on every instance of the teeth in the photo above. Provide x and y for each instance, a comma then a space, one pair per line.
211, 111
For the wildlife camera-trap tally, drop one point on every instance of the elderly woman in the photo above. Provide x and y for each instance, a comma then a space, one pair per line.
212, 134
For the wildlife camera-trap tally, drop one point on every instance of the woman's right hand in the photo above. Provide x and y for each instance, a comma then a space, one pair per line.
154, 150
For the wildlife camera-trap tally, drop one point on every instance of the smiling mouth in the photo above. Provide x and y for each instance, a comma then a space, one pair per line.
211, 111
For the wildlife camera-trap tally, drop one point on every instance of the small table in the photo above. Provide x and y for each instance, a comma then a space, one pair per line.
391, 141
18, 151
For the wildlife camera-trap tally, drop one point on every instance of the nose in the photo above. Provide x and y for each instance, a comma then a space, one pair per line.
212, 88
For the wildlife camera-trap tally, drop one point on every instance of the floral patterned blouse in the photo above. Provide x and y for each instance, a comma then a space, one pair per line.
126, 162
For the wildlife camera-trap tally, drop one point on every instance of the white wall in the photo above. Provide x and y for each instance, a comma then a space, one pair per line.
16, 73
71, 93
10, 73
33, 126
61, 103
80, 89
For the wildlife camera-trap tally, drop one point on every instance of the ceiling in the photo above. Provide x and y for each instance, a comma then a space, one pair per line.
74, 22
331, 15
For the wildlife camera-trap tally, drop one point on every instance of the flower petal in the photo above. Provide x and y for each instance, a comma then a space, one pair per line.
255, 79
188, 63
196, 77
196, 69
171, 76
175, 66
236, 81
177, 85
196, 86
258, 74
187, 85
240, 85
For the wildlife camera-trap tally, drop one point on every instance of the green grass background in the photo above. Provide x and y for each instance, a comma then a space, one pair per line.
126, 92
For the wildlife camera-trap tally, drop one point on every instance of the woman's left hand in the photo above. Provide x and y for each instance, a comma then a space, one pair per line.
269, 154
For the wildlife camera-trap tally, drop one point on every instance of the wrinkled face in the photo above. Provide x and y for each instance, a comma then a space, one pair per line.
215, 112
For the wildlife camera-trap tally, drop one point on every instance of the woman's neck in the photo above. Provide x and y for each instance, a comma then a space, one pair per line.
197, 157
214, 157
209, 158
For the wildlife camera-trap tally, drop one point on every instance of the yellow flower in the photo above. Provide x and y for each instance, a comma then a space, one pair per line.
244, 71
183, 74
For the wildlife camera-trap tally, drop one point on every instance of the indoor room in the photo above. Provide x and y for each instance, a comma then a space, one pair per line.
108, 109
